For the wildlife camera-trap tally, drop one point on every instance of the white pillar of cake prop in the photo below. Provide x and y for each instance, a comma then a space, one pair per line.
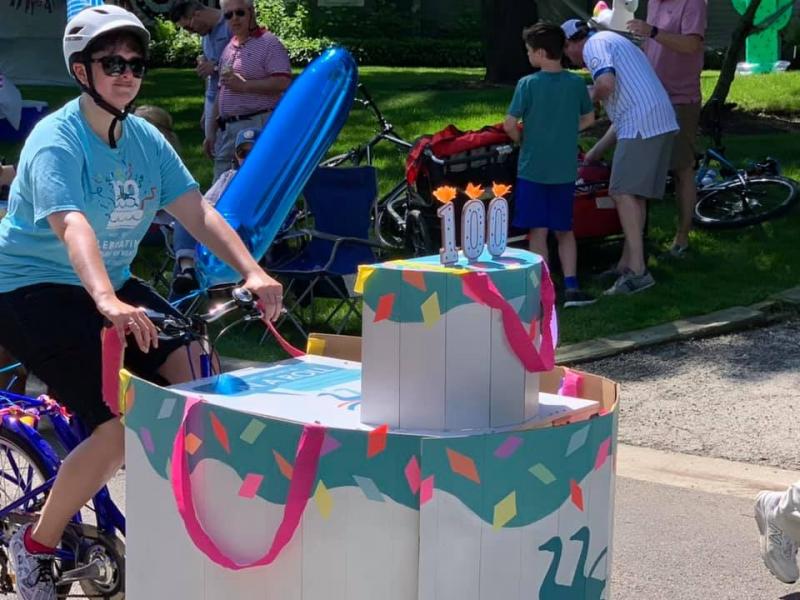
457, 369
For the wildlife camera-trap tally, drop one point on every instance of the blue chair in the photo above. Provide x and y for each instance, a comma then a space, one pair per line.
339, 202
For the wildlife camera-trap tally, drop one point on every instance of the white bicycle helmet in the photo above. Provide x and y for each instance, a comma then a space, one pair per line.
89, 24
93, 22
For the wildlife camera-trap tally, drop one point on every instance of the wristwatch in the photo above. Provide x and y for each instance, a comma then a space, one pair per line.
653, 32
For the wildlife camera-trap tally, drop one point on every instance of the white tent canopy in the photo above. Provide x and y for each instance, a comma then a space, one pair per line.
30, 41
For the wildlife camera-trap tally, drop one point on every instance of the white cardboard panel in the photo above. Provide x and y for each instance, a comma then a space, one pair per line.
285, 575
467, 367
428, 549
458, 550
380, 370
325, 560
507, 378
422, 389
155, 529
534, 562
500, 566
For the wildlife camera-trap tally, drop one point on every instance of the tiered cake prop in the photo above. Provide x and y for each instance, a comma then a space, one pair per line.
444, 480
452, 342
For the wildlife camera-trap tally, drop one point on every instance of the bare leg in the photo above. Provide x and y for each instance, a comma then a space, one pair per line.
81, 475
630, 210
686, 196
97, 459
538, 242
567, 252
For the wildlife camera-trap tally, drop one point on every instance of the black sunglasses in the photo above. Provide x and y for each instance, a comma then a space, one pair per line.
239, 12
115, 65
242, 153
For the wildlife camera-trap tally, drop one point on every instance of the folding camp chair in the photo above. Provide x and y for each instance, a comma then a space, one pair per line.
156, 257
339, 201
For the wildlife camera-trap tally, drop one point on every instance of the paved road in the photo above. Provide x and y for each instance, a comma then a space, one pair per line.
736, 397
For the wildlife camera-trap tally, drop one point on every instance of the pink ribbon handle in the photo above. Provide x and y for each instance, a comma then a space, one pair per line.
480, 288
304, 474
282, 342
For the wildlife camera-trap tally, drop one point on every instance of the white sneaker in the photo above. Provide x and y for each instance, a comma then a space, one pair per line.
777, 549
34, 572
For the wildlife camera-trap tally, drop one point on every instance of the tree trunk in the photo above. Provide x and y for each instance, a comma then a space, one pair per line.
745, 26
505, 55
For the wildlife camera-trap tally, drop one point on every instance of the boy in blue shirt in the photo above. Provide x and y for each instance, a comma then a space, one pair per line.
554, 105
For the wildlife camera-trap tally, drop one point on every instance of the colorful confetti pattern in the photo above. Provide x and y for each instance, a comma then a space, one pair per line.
508, 480
425, 288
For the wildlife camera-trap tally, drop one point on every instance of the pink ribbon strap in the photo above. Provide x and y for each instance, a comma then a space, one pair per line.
113, 354
480, 288
287, 347
571, 384
304, 475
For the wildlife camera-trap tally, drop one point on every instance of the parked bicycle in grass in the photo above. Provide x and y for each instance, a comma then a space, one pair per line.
388, 218
728, 196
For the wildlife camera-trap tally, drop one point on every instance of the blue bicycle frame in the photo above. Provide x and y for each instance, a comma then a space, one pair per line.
70, 433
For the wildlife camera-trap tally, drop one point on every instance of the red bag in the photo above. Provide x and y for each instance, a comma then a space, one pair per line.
449, 141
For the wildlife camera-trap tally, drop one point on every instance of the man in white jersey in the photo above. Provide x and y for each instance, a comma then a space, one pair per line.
643, 125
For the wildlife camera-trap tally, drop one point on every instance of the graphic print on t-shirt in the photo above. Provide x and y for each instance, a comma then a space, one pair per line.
120, 195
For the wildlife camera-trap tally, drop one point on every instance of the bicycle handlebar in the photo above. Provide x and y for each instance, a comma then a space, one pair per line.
497, 152
172, 326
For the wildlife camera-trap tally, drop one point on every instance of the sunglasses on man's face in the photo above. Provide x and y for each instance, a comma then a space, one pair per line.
242, 153
239, 12
115, 65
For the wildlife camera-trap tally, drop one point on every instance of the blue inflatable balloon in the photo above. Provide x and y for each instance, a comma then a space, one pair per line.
305, 123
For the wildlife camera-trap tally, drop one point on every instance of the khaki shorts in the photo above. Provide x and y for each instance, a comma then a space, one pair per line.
224, 146
640, 166
684, 148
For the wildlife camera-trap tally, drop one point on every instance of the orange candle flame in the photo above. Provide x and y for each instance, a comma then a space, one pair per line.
500, 189
445, 194
474, 191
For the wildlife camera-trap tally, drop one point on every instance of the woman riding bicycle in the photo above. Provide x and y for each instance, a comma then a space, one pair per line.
90, 181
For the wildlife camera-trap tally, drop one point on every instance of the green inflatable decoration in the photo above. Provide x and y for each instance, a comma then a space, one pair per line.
763, 48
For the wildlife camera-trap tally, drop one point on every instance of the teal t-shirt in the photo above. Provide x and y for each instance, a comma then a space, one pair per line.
65, 166
550, 106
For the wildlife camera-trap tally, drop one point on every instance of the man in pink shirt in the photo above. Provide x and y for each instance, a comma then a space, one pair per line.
254, 72
675, 32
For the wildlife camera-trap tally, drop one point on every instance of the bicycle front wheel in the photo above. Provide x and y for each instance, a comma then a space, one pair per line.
739, 204
390, 222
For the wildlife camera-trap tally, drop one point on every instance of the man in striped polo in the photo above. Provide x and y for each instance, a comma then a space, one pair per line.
643, 126
207, 22
254, 73
674, 34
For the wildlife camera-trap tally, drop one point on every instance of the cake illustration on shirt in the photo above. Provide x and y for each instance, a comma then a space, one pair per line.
128, 205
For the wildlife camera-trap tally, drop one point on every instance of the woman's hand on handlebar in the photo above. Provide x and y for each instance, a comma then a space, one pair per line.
269, 291
129, 319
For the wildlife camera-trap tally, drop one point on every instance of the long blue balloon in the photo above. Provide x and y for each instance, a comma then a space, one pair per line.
305, 123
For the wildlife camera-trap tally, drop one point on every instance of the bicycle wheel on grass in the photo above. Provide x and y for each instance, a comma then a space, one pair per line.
738, 204
390, 222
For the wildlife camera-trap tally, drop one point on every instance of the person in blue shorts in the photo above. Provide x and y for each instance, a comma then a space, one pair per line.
90, 180
552, 106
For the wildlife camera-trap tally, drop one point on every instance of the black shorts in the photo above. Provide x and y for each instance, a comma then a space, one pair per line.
54, 330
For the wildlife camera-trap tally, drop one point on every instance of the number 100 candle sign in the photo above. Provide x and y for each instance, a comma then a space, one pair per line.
479, 227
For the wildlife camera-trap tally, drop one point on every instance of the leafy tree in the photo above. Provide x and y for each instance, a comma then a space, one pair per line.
503, 21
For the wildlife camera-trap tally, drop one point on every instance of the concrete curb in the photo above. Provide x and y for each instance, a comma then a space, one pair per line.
776, 308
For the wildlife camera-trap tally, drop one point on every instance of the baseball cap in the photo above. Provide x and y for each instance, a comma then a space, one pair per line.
573, 27
246, 136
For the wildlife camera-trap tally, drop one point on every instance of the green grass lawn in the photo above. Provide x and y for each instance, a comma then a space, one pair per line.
724, 269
